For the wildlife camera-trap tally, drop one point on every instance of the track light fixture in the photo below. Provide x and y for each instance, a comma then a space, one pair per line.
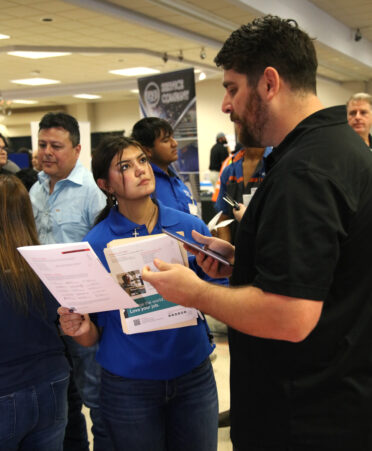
180, 56
165, 57
203, 53
358, 35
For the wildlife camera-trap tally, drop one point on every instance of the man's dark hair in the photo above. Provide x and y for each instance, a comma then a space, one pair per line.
146, 130
271, 41
64, 121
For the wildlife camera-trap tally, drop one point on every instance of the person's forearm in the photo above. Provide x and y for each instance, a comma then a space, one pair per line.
254, 312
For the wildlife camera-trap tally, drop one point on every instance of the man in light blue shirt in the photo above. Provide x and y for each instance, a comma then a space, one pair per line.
66, 201
66, 214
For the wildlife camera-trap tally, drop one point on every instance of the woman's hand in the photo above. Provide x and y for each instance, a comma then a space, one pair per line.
73, 324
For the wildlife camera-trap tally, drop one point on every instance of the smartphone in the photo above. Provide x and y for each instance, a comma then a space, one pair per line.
198, 247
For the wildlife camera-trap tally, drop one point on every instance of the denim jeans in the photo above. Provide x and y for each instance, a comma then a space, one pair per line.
175, 415
76, 436
34, 418
87, 377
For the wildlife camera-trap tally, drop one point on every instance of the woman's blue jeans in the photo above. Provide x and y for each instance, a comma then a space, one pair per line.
35, 418
174, 415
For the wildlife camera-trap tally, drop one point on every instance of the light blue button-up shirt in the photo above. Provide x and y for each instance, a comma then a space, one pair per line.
66, 215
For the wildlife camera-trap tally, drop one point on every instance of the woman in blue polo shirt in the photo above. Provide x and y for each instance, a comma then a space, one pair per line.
158, 390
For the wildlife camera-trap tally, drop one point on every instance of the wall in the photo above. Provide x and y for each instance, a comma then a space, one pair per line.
331, 93
18, 124
211, 120
110, 116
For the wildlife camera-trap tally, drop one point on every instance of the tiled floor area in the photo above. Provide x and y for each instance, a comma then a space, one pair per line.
221, 371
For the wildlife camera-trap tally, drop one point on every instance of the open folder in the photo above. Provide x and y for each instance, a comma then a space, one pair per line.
126, 258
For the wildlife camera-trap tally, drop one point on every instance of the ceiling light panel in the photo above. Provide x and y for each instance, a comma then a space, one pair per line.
37, 81
38, 55
134, 71
87, 96
25, 102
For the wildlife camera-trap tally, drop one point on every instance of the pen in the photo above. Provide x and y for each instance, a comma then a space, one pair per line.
231, 202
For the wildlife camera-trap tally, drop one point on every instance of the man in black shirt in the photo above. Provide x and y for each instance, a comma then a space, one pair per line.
300, 307
218, 155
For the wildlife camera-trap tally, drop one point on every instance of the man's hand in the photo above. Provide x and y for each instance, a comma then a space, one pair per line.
73, 324
238, 214
175, 283
209, 265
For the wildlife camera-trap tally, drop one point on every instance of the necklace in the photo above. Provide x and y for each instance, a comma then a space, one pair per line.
149, 224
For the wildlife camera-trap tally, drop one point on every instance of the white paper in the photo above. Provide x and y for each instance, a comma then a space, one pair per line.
213, 224
248, 197
126, 262
75, 276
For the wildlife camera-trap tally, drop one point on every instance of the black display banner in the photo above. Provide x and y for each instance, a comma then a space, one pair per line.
171, 96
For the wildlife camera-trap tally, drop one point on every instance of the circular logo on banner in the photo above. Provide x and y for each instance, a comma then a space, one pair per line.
152, 94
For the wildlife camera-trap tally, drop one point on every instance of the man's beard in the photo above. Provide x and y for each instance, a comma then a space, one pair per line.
250, 133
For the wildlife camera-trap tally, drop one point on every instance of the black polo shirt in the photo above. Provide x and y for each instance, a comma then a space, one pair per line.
308, 234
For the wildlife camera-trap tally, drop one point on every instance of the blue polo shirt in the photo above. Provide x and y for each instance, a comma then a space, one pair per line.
171, 190
159, 355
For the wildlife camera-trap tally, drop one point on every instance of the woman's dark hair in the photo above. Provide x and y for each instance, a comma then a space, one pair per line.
101, 161
17, 228
271, 41
146, 130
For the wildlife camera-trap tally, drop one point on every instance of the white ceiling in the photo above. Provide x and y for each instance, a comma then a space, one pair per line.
103, 36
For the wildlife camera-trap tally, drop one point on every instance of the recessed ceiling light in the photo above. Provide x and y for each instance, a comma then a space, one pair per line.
86, 96
37, 81
25, 102
202, 76
38, 55
4, 36
133, 71
135, 91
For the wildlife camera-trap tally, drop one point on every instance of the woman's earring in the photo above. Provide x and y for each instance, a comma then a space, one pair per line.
114, 200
